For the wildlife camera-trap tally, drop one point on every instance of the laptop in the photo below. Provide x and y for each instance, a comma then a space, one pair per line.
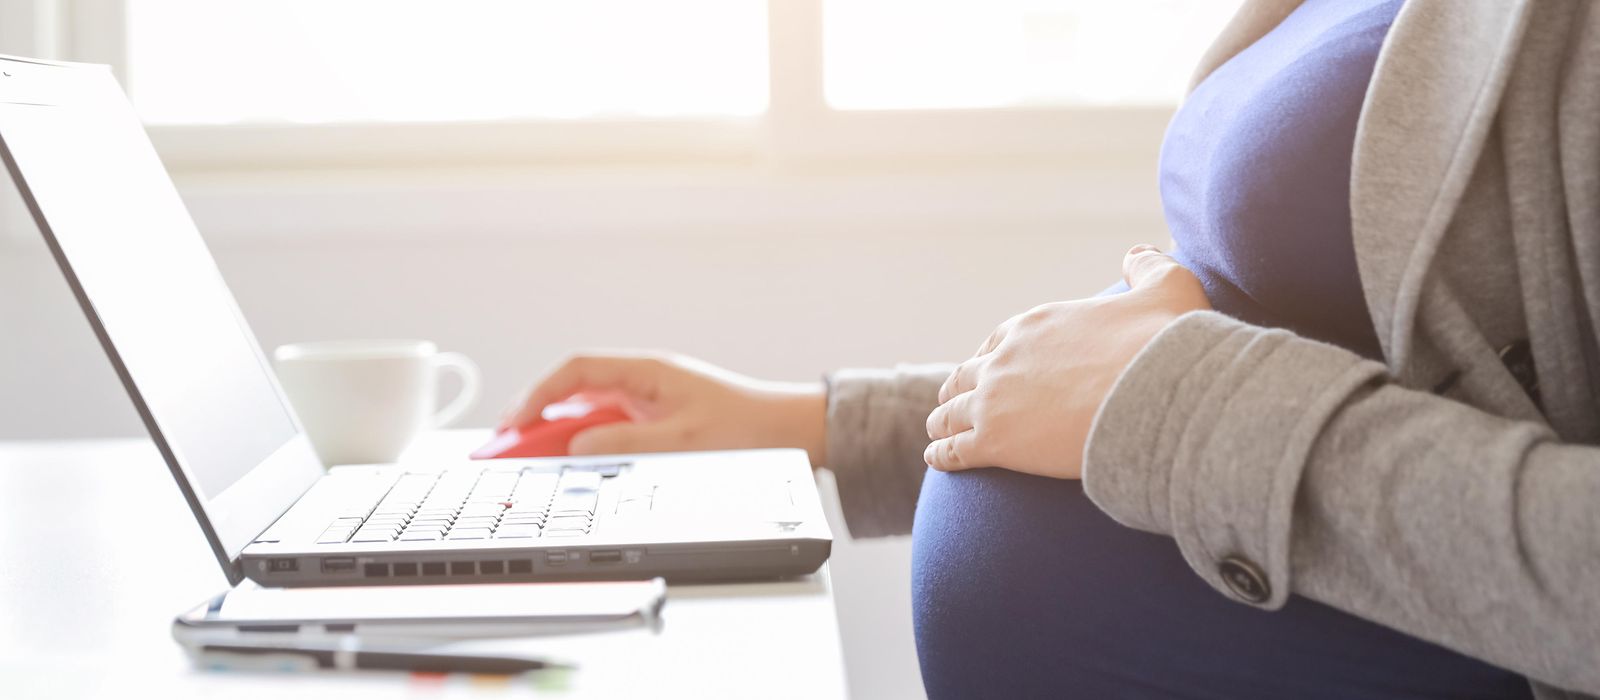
270, 510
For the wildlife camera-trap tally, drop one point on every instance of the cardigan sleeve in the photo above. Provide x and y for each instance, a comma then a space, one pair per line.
877, 431
1283, 464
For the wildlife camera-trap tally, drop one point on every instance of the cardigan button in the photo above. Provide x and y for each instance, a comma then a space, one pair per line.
1518, 359
1245, 579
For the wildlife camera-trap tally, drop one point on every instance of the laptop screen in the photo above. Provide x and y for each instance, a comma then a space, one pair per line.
149, 285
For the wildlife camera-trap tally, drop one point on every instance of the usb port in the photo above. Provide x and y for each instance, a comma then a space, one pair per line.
605, 556
283, 564
338, 565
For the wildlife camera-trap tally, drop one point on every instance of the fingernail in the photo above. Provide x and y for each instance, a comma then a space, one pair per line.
1143, 248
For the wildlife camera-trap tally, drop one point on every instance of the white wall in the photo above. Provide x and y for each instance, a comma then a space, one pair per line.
877, 271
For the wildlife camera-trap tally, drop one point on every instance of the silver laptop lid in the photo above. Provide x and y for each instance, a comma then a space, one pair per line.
152, 292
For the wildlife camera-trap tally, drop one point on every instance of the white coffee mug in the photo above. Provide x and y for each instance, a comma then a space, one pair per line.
362, 401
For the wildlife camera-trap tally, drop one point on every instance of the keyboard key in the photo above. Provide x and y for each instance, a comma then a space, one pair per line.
607, 470
482, 509
580, 481
365, 536
538, 509
393, 510
424, 536
569, 522
580, 501
345, 522
483, 522
441, 529
436, 508
336, 535
564, 533
468, 534
516, 532
534, 477
524, 491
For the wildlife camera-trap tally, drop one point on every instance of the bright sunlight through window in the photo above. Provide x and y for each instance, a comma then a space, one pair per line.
319, 61
922, 54
314, 61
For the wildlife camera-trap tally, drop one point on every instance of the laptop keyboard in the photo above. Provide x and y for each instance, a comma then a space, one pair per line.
491, 503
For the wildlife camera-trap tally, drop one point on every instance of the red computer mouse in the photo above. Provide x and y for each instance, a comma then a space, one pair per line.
550, 437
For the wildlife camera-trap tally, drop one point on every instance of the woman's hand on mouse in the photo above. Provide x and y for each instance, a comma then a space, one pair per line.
680, 403
1026, 400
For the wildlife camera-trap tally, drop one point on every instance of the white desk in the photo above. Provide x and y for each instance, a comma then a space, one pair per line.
98, 552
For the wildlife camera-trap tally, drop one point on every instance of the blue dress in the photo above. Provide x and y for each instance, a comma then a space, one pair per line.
1023, 588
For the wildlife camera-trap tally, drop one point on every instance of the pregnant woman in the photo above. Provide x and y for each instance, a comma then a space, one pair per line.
1338, 444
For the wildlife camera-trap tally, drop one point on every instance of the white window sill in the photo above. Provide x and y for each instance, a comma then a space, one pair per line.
870, 174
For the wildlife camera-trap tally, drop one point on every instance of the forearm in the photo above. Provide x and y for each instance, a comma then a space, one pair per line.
797, 416
1418, 512
1476, 532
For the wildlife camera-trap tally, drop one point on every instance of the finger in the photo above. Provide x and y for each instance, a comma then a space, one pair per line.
625, 438
993, 341
1146, 265
953, 416
961, 380
631, 374
954, 453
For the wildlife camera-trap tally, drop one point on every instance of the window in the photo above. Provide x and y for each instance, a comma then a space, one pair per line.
321, 61
247, 83
913, 54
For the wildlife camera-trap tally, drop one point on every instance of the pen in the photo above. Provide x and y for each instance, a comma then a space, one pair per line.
349, 656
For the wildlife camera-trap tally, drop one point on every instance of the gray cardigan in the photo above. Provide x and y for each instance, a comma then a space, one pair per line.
1453, 492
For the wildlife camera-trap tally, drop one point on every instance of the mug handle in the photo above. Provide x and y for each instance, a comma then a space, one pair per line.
465, 369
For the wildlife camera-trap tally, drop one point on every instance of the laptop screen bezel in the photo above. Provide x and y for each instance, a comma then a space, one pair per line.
234, 518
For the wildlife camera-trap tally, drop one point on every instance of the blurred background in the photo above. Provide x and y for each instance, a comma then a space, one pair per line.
782, 187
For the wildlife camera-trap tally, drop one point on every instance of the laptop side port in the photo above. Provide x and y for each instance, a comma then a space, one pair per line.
338, 565
605, 556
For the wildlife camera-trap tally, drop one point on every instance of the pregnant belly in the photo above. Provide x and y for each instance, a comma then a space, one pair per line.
1022, 587
1016, 581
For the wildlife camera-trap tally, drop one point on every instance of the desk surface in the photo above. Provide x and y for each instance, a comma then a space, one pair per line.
98, 552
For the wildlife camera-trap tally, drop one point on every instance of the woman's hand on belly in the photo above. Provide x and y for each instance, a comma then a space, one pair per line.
1026, 400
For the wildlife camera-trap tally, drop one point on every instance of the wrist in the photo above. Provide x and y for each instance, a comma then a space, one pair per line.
800, 419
